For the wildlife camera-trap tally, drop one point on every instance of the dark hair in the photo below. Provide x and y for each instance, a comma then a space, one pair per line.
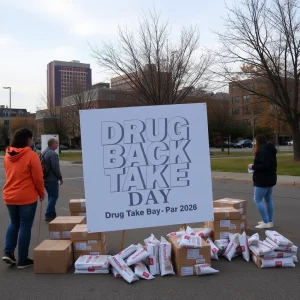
51, 142
21, 137
261, 140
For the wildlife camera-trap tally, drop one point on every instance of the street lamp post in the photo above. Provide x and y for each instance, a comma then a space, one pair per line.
9, 114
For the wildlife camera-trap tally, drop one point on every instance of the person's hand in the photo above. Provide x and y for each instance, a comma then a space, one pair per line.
61, 181
250, 166
41, 199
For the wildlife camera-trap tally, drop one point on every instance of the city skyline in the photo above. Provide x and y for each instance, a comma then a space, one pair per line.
63, 30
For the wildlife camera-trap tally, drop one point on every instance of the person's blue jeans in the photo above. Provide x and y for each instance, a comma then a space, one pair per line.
52, 188
266, 211
21, 221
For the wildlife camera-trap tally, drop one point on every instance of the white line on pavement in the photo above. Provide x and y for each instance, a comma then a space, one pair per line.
64, 209
73, 178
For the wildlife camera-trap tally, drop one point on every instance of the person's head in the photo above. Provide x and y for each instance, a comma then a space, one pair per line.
53, 144
22, 138
259, 141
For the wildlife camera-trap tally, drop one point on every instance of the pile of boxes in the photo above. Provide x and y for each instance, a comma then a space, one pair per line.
68, 239
184, 259
77, 207
229, 217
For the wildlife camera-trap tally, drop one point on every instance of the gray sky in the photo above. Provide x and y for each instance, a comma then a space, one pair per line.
33, 33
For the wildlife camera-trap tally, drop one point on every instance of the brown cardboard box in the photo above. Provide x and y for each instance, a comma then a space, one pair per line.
256, 260
60, 227
224, 234
185, 270
79, 233
77, 205
226, 213
78, 214
189, 257
53, 257
224, 225
96, 247
240, 205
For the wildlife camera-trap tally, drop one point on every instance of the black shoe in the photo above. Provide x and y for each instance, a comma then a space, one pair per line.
28, 263
9, 258
49, 219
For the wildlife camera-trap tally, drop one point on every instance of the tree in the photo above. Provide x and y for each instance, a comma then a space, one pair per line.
220, 119
24, 121
82, 99
157, 70
263, 36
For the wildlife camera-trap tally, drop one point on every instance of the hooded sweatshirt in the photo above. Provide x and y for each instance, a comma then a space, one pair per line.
265, 166
24, 177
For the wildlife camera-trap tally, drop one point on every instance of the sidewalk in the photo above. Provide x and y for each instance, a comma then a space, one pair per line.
245, 177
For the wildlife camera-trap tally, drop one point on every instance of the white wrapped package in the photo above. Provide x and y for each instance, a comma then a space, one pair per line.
128, 251
92, 270
253, 240
222, 245
205, 269
295, 259
213, 249
153, 260
166, 267
177, 233
116, 273
190, 242
278, 254
151, 240
292, 249
190, 231
137, 256
204, 233
244, 246
232, 247
141, 271
120, 266
97, 262
277, 262
262, 248
279, 239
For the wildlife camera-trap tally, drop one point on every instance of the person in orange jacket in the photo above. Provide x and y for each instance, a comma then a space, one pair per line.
23, 188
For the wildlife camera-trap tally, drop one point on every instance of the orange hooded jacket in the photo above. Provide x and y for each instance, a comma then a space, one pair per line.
24, 177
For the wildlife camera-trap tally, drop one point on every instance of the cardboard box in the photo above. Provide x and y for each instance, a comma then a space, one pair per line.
60, 227
92, 245
224, 234
240, 205
189, 257
53, 257
185, 270
78, 214
224, 225
77, 205
79, 233
226, 213
256, 260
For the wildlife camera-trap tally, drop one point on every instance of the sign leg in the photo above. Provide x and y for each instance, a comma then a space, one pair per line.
123, 240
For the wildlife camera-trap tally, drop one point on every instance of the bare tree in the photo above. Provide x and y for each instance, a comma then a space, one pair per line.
159, 71
53, 118
263, 36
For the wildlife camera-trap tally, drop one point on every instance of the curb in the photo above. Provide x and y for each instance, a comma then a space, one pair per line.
280, 183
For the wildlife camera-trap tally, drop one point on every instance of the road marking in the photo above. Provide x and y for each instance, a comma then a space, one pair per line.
64, 209
73, 178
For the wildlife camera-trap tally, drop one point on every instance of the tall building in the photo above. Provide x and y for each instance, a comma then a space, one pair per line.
66, 78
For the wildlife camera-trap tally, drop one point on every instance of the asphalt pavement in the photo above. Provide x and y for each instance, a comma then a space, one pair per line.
236, 280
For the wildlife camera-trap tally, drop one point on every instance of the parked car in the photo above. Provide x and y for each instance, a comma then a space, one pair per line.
244, 144
291, 143
230, 144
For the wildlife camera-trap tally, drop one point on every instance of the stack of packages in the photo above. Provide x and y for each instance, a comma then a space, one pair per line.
92, 264
77, 207
56, 254
276, 251
227, 221
85, 243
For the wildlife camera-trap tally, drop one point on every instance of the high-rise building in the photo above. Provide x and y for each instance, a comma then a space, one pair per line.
66, 78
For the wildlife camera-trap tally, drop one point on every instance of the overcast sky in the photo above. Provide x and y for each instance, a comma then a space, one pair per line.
33, 33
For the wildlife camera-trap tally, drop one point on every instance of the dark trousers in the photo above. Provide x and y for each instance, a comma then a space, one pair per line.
21, 221
52, 188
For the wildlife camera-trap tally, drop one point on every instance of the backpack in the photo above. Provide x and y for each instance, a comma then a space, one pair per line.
45, 168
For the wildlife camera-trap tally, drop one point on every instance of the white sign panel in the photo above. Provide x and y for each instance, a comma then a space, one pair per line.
44, 141
146, 166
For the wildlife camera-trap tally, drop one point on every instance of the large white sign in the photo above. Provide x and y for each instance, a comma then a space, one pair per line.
146, 166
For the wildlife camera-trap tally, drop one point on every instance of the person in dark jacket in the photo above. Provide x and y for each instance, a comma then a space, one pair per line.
53, 178
264, 178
